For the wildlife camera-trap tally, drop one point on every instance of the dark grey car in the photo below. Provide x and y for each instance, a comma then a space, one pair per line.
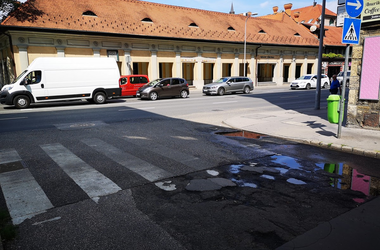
164, 87
229, 85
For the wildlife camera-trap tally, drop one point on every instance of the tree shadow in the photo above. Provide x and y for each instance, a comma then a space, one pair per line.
28, 12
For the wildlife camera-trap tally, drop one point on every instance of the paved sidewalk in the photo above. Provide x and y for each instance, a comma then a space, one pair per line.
356, 229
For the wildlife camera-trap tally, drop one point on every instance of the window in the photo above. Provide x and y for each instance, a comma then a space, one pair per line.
89, 13
194, 25
262, 32
296, 34
175, 81
34, 77
147, 20
113, 54
165, 82
231, 28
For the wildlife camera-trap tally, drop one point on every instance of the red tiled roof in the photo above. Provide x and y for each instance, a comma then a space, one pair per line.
125, 17
311, 13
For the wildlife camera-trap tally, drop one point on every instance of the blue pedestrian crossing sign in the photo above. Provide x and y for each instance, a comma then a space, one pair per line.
351, 31
354, 7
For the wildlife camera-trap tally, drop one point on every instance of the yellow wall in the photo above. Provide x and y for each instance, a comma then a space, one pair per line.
35, 52
79, 52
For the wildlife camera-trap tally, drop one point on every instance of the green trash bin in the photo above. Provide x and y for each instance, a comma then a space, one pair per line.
333, 102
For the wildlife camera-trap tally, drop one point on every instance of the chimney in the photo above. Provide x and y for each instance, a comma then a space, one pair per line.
296, 16
275, 9
288, 9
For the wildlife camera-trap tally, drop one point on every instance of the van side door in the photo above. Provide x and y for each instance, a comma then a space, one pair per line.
34, 83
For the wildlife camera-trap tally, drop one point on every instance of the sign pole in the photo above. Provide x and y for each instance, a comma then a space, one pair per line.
343, 94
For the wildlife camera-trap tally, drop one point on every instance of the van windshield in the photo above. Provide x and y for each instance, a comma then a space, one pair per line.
20, 76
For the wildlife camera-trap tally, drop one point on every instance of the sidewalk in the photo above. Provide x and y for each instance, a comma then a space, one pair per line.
356, 229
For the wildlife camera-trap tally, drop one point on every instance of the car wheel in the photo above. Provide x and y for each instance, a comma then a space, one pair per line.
247, 90
325, 85
21, 102
221, 91
153, 96
183, 94
308, 86
100, 98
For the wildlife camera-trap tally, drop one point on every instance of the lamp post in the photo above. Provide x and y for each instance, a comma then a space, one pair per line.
248, 15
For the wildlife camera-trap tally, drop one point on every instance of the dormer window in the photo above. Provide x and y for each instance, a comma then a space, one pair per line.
296, 34
262, 32
193, 25
147, 20
89, 13
231, 28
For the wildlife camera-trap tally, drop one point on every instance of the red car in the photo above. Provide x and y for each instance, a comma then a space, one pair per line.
131, 83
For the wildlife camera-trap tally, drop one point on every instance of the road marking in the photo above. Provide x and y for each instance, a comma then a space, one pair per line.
89, 179
135, 164
24, 197
42, 222
135, 109
9, 155
176, 155
224, 102
13, 118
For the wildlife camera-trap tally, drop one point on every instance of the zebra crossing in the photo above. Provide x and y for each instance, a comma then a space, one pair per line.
25, 198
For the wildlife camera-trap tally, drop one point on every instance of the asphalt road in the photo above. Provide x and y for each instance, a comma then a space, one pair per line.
136, 174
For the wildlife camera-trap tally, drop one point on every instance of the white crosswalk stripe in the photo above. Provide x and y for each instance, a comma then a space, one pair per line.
141, 167
90, 180
24, 197
9, 155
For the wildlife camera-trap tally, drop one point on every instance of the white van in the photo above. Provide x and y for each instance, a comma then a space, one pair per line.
49, 79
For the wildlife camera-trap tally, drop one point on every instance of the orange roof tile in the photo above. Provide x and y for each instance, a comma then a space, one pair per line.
125, 17
311, 13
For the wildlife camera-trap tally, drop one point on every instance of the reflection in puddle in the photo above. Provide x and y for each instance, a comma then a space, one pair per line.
295, 181
241, 183
350, 178
245, 134
267, 177
286, 161
235, 169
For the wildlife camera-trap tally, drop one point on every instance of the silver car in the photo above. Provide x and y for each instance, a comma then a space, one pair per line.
229, 85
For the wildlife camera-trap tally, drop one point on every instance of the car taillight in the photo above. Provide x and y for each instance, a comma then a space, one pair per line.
187, 85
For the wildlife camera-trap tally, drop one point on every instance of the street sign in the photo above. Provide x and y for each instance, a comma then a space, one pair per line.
354, 7
351, 31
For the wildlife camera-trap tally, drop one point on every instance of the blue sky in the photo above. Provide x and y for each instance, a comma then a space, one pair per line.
263, 7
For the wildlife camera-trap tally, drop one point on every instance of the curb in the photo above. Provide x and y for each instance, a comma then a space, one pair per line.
332, 146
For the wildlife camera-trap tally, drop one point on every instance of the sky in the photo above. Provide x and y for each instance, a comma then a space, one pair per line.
262, 7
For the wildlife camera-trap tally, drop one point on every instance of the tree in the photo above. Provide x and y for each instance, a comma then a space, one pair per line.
7, 6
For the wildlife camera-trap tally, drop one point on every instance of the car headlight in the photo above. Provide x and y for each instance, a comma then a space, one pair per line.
6, 88
214, 87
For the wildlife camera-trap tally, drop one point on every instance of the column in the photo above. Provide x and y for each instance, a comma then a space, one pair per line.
304, 66
236, 65
128, 62
178, 64
280, 78
60, 51
292, 75
96, 52
23, 54
218, 65
153, 64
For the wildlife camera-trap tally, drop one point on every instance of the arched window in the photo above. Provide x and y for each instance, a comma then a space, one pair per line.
147, 20
231, 28
88, 13
194, 25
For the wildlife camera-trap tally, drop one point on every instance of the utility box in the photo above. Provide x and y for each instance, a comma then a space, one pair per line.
333, 102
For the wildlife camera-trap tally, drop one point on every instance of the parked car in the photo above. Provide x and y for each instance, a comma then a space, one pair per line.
229, 85
340, 76
129, 84
309, 81
164, 87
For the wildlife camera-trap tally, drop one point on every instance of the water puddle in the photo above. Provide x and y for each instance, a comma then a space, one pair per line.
342, 175
245, 134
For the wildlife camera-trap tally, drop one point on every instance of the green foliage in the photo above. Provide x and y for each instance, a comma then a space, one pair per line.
332, 55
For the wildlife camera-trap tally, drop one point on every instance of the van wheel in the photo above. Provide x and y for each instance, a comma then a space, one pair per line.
153, 96
21, 102
183, 94
247, 90
100, 98
221, 91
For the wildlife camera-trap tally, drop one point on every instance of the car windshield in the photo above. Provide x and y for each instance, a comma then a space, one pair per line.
224, 79
304, 77
152, 83
20, 76
340, 74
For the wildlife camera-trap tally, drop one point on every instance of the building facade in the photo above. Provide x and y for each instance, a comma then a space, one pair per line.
192, 47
